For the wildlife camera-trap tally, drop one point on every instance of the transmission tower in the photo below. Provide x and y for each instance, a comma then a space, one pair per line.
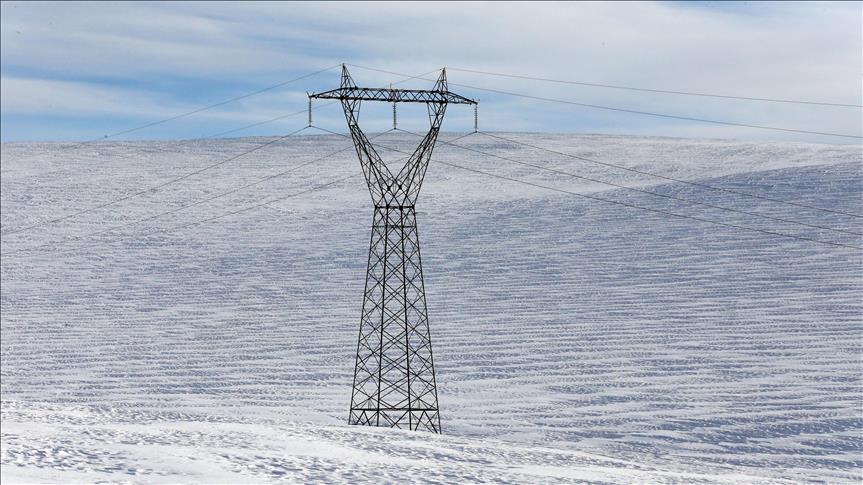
394, 379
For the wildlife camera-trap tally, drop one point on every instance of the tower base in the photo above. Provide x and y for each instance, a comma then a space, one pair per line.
394, 380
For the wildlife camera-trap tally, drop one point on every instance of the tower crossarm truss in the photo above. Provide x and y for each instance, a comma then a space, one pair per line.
386, 188
394, 379
390, 95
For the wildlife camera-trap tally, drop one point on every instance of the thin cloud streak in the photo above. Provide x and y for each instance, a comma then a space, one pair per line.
151, 58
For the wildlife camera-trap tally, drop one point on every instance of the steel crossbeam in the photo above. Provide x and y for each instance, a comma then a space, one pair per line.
394, 378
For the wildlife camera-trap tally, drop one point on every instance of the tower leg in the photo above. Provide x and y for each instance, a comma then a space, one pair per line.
394, 379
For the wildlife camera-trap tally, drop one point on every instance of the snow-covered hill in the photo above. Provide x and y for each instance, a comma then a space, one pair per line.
574, 340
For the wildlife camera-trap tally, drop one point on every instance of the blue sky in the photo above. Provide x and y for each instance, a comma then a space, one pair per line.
77, 71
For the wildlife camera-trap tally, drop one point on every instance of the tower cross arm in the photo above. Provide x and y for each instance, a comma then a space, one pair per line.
393, 95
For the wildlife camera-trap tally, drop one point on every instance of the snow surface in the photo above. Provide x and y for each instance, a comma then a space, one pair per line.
575, 341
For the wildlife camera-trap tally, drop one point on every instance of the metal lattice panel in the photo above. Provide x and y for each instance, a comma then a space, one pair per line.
394, 95
394, 378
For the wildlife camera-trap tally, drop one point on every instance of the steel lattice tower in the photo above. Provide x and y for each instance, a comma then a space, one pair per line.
394, 379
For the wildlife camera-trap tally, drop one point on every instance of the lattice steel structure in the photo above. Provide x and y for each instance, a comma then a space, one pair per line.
394, 378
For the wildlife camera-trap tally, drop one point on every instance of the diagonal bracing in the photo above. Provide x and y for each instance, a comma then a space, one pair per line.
394, 379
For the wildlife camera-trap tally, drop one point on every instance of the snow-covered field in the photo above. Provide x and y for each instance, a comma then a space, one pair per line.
575, 341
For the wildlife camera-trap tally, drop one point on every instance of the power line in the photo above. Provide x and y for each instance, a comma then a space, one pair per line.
183, 207
661, 115
181, 226
220, 216
262, 204
171, 229
658, 211
155, 187
656, 194
245, 209
271, 120
176, 209
215, 135
667, 196
279, 199
625, 204
205, 108
418, 76
158, 186
665, 177
343, 135
259, 123
450, 142
632, 111
664, 91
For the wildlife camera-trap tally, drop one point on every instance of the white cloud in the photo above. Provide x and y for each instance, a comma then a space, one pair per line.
64, 98
805, 51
